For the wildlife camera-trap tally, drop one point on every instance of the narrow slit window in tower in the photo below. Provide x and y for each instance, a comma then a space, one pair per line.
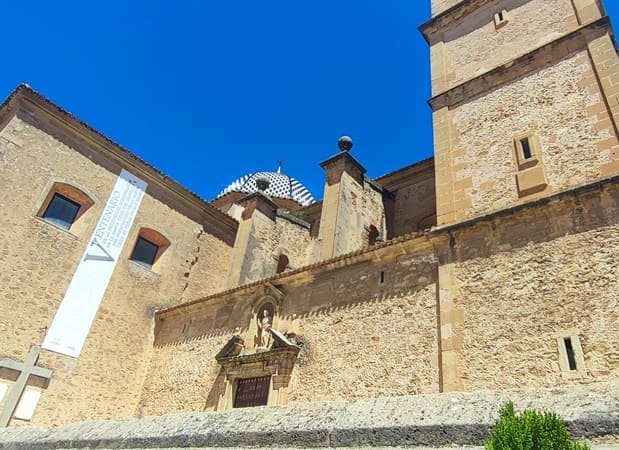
569, 350
526, 148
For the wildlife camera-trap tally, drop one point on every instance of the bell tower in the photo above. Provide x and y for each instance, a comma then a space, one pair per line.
525, 101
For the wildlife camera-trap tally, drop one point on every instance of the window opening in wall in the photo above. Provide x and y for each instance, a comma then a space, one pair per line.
500, 19
569, 349
144, 252
282, 263
252, 392
526, 148
61, 211
381, 278
372, 235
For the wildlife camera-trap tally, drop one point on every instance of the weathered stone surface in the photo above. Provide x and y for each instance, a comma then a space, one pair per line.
424, 420
564, 271
474, 46
464, 447
569, 139
346, 319
38, 260
467, 447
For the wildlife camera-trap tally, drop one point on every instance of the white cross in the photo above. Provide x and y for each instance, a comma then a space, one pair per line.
25, 369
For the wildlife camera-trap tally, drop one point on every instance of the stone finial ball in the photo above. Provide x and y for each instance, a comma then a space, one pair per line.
344, 143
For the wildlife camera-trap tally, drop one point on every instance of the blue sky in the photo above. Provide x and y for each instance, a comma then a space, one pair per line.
208, 91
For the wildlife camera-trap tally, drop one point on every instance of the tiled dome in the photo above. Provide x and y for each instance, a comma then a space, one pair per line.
281, 186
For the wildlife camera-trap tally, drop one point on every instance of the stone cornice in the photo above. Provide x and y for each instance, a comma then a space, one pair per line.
214, 221
343, 155
410, 243
289, 217
449, 16
595, 186
415, 242
270, 355
514, 69
407, 175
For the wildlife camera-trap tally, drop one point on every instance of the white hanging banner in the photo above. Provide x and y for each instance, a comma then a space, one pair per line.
80, 304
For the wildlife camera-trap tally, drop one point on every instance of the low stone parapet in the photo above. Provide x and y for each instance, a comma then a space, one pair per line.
591, 411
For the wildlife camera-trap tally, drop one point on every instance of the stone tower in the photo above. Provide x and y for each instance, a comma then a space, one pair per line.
525, 101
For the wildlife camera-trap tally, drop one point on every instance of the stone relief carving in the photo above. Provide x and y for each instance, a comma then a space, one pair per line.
265, 324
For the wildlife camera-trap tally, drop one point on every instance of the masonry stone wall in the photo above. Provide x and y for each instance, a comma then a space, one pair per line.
295, 242
258, 260
415, 207
360, 206
561, 104
208, 266
266, 239
359, 337
521, 280
455, 420
363, 338
475, 45
410, 200
39, 259
439, 6
184, 376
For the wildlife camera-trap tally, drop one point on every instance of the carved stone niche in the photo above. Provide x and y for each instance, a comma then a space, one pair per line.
257, 366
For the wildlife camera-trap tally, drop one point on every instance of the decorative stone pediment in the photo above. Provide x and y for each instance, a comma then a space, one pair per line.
265, 292
270, 368
233, 348
234, 351
257, 365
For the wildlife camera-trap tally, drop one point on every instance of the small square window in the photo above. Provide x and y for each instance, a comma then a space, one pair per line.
65, 206
145, 252
527, 150
149, 247
61, 211
500, 19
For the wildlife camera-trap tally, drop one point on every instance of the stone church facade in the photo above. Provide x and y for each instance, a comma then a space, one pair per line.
491, 266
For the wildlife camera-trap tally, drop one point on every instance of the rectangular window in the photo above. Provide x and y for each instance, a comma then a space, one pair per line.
530, 174
571, 355
61, 211
526, 148
252, 392
500, 19
144, 252
569, 350
381, 278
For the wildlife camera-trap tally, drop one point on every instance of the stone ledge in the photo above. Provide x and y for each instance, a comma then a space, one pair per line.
593, 447
591, 411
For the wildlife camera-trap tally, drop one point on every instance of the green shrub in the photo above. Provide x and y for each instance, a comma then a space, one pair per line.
299, 214
531, 430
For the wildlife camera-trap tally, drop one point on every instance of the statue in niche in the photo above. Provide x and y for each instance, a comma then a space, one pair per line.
264, 327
